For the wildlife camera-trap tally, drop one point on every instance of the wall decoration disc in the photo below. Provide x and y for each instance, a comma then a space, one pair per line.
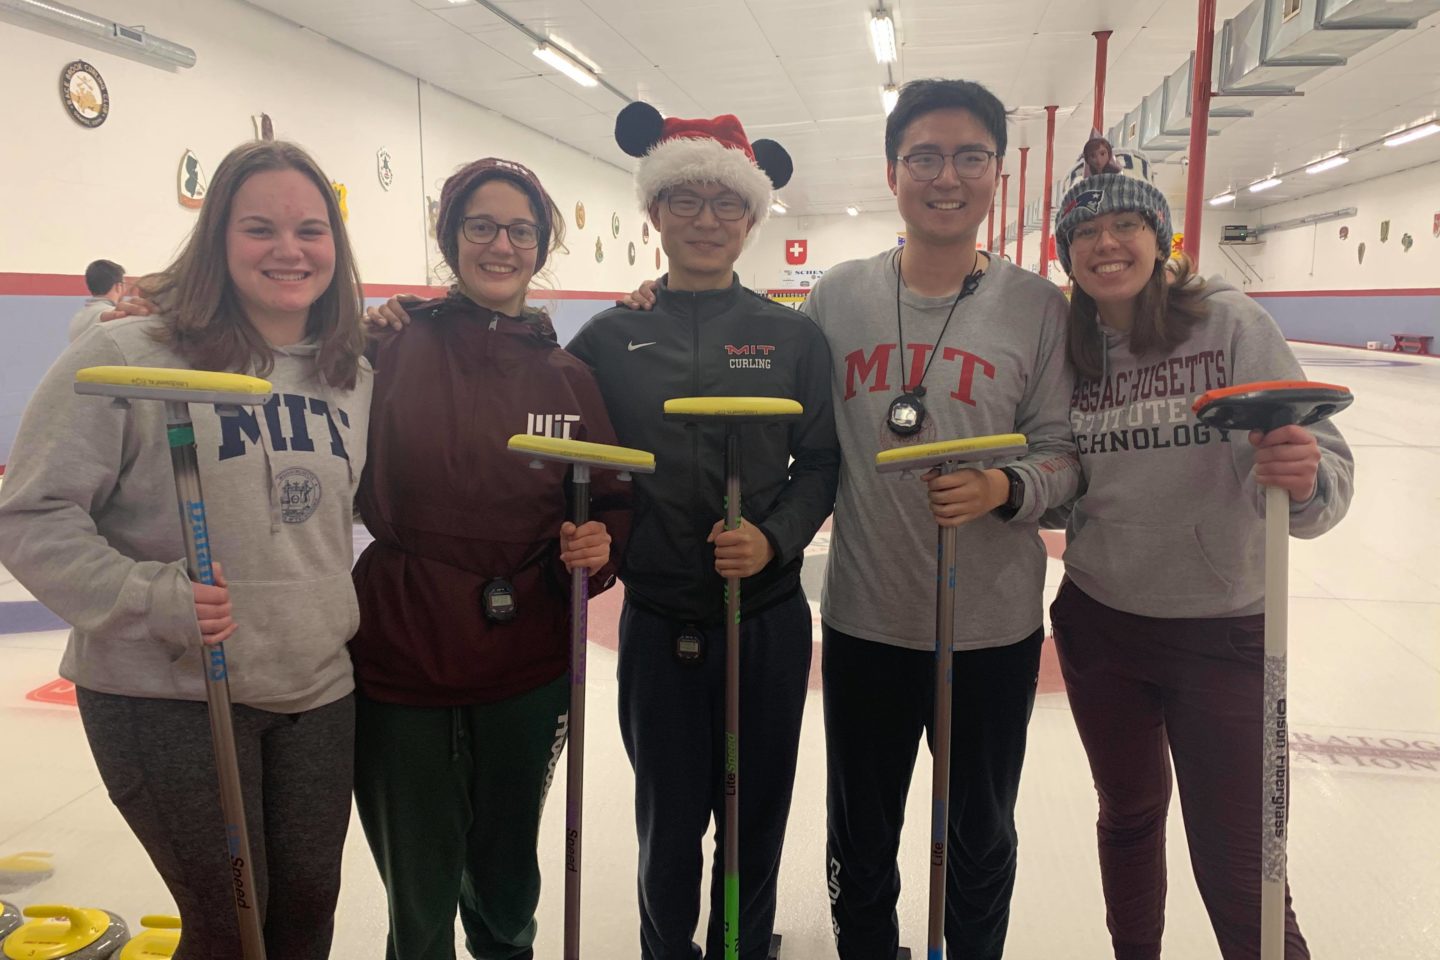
599, 251
432, 214
630, 251
1360, 251
1384, 231
383, 170
1344, 233
579, 215
615, 224
264, 129
1407, 242
84, 93
192, 181
657, 258
645, 229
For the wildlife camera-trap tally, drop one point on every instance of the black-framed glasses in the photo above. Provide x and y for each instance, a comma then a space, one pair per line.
688, 205
523, 234
1121, 228
926, 165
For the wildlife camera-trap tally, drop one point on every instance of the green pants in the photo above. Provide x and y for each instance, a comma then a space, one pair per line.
450, 799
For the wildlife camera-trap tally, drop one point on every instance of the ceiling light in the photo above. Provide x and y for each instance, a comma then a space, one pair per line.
1329, 163
889, 94
1268, 183
882, 36
853, 211
1221, 200
1413, 134
778, 206
567, 64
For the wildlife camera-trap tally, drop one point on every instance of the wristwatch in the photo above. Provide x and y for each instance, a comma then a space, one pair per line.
1013, 502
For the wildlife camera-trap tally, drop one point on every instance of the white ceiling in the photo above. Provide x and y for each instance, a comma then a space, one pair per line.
802, 72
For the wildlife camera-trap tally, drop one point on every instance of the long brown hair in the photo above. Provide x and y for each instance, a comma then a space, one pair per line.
204, 321
1169, 306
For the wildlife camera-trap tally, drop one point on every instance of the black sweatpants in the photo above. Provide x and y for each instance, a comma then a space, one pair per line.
672, 719
878, 698
158, 765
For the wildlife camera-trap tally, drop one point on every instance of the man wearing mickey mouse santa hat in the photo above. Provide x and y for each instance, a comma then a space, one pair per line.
706, 188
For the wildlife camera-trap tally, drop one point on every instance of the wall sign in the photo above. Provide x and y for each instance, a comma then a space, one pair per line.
192, 182
83, 91
383, 169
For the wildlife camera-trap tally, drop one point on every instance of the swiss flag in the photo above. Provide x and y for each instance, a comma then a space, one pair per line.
796, 251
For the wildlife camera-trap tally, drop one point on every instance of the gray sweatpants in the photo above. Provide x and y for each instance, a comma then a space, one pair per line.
158, 765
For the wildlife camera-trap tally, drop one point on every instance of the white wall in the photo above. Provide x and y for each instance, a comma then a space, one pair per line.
72, 194
1315, 258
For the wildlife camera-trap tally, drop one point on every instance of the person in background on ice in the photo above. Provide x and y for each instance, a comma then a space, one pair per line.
463, 650
1098, 156
1159, 623
266, 284
106, 282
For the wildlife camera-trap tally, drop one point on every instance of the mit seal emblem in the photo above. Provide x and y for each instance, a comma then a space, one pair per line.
299, 494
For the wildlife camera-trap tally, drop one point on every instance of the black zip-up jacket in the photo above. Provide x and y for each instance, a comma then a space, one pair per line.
730, 342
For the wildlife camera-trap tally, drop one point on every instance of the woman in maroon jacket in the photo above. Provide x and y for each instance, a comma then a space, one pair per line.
461, 657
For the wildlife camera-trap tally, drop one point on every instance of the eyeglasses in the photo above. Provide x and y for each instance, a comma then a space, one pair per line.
688, 205
523, 234
1088, 233
928, 165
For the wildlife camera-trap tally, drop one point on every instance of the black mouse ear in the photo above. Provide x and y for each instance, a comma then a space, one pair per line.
638, 128
774, 160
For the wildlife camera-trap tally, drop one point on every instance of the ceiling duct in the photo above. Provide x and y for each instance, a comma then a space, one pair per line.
100, 30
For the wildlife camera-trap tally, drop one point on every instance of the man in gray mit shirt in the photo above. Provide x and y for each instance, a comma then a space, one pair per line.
933, 341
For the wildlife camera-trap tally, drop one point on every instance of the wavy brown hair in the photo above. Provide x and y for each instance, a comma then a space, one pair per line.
204, 321
1169, 306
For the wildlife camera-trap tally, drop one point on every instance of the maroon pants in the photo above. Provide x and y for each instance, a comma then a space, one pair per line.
1147, 692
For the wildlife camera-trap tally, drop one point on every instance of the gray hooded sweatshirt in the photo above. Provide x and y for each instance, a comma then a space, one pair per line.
999, 368
1171, 520
90, 525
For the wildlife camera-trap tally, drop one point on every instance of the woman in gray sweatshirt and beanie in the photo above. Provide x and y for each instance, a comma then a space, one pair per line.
1159, 624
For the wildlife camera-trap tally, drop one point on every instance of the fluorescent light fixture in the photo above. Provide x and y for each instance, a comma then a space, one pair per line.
1221, 200
567, 64
853, 211
1329, 163
1413, 134
882, 36
778, 206
889, 94
1269, 183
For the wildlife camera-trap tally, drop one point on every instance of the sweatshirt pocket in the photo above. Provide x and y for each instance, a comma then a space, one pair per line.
1156, 560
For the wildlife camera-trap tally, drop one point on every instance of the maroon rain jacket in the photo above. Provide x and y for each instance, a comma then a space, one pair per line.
451, 508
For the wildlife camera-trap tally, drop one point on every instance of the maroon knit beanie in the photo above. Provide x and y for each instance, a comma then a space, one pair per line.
457, 190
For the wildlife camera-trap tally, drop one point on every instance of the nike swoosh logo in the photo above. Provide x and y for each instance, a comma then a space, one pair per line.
636, 346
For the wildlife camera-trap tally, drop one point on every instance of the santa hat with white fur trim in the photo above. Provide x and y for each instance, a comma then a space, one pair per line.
674, 151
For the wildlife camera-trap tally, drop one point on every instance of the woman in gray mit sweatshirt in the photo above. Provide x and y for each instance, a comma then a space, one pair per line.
266, 284
1159, 623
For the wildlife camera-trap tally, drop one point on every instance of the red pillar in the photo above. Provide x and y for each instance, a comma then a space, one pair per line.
1199, 128
1020, 220
1004, 207
1102, 48
990, 226
1049, 190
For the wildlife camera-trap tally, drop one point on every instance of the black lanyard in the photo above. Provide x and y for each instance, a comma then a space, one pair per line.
906, 415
